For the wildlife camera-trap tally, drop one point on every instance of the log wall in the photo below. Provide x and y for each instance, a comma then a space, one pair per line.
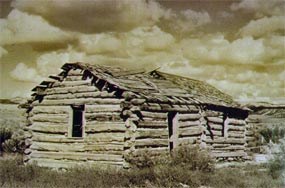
225, 136
48, 124
116, 126
190, 128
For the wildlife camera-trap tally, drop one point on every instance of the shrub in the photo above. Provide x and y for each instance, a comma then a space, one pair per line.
16, 143
14, 174
186, 157
192, 158
146, 159
277, 164
13, 170
273, 134
5, 134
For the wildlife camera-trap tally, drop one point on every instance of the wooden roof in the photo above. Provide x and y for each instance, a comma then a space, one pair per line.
156, 86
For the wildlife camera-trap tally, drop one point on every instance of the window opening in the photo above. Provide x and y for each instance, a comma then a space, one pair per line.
77, 121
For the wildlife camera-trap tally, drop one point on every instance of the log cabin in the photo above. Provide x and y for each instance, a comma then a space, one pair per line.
100, 115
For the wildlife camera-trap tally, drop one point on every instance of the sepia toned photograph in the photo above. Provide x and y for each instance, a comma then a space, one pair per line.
142, 93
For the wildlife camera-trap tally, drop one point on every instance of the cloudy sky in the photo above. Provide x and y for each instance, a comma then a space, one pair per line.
235, 45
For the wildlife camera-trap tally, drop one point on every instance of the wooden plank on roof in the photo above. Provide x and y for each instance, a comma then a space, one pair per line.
128, 72
47, 83
55, 77
39, 87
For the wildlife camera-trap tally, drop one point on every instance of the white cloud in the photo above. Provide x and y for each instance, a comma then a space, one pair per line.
186, 21
261, 7
217, 49
100, 43
23, 73
264, 26
143, 34
50, 63
21, 27
95, 15
134, 42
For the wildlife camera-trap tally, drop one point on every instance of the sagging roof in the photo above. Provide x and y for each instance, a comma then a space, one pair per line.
153, 85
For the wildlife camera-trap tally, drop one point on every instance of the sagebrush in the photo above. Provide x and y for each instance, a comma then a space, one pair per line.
14, 174
12, 139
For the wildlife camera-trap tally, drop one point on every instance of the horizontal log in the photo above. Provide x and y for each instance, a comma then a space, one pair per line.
138, 101
220, 145
249, 133
232, 121
214, 126
48, 127
215, 120
93, 94
60, 147
164, 108
236, 135
214, 133
105, 137
51, 163
231, 147
151, 143
55, 138
79, 101
184, 124
54, 118
119, 152
229, 154
213, 113
226, 141
178, 108
189, 117
104, 147
236, 128
96, 127
72, 83
156, 115
102, 108
103, 116
51, 110
154, 124
76, 156
191, 131
65, 90
75, 147
152, 133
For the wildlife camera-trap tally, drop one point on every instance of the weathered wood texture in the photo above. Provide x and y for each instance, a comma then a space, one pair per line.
115, 125
104, 129
225, 137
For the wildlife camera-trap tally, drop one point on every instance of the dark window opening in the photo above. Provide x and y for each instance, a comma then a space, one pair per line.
77, 121
171, 129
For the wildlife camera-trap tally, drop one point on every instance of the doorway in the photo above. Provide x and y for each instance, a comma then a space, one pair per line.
172, 119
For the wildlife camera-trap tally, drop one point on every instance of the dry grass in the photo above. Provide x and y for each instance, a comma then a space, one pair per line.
164, 174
